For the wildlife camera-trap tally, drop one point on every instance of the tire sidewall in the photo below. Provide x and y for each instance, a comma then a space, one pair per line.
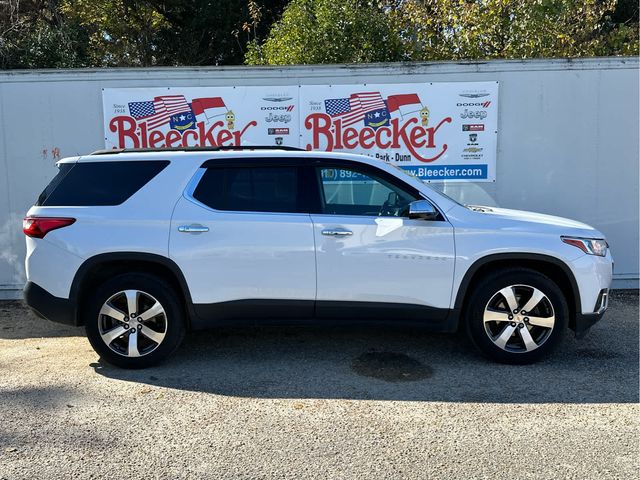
151, 285
488, 287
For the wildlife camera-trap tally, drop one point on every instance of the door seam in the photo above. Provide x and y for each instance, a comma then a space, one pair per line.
315, 262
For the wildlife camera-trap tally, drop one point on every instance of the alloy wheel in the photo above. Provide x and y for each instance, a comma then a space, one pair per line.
132, 323
519, 318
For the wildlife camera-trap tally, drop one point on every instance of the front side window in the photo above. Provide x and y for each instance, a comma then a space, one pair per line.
250, 189
346, 191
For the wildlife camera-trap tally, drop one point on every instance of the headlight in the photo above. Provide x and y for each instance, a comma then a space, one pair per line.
590, 246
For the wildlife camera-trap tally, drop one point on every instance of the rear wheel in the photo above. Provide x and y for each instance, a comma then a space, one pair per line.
134, 320
516, 316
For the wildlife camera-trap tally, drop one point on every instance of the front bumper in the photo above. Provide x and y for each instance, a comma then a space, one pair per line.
45, 305
584, 321
593, 277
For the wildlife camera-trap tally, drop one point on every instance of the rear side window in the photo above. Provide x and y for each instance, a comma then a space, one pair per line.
98, 183
249, 189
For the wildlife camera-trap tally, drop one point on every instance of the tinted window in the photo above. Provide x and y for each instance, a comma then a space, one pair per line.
62, 172
99, 183
210, 189
250, 189
347, 191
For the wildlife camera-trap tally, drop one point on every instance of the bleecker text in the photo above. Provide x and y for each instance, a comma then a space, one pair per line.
129, 132
331, 135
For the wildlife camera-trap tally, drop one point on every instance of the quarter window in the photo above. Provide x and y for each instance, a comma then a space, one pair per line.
98, 183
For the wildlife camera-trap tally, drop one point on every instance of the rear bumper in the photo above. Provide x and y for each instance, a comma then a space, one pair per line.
45, 305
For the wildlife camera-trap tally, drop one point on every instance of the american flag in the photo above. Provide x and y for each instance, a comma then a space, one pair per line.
353, 109
159, 111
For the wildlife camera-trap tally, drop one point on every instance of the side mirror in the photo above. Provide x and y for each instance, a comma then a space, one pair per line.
423, 210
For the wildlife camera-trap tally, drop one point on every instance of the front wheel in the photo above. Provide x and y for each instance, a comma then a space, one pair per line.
134, 320
516, 316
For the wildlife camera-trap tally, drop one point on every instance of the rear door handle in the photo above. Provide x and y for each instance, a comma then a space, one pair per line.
193, 229
337, 232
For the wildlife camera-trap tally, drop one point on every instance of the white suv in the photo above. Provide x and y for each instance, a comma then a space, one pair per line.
140, 246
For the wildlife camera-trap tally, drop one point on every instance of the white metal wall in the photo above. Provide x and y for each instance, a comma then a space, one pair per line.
567, 142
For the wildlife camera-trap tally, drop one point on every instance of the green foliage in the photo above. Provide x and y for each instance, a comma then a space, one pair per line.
461, 29
120, 32
326, 31
213, 32
34, 35
102, 33
322, 31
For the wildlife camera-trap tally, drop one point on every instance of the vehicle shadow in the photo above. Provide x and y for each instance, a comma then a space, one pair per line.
18, 322
405, 365
378, 363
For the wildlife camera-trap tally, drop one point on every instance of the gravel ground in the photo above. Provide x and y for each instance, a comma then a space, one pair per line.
318, 403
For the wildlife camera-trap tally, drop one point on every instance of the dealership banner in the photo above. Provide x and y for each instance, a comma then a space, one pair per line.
436, 131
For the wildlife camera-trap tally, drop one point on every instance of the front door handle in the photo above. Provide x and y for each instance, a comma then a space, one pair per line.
337, 232
193, 229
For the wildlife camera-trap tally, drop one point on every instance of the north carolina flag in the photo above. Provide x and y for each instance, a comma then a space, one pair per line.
403, 103
211, 106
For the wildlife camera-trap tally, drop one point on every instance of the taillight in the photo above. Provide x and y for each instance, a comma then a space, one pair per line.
38, 227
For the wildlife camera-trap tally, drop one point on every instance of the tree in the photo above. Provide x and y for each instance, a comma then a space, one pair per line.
120, 32
621, 29
34, 34
327, 31
215, 32
462, 29
170, 32
321, 31
104, 33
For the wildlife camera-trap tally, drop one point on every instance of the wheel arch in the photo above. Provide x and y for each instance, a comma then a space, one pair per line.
554, 268
100, 267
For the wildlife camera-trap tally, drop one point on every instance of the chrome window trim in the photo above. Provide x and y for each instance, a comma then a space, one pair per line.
197, 176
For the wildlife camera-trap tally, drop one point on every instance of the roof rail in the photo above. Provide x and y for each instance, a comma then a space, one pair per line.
221, 148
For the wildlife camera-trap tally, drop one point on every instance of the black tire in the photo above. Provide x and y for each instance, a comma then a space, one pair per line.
486, 290
173, 319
